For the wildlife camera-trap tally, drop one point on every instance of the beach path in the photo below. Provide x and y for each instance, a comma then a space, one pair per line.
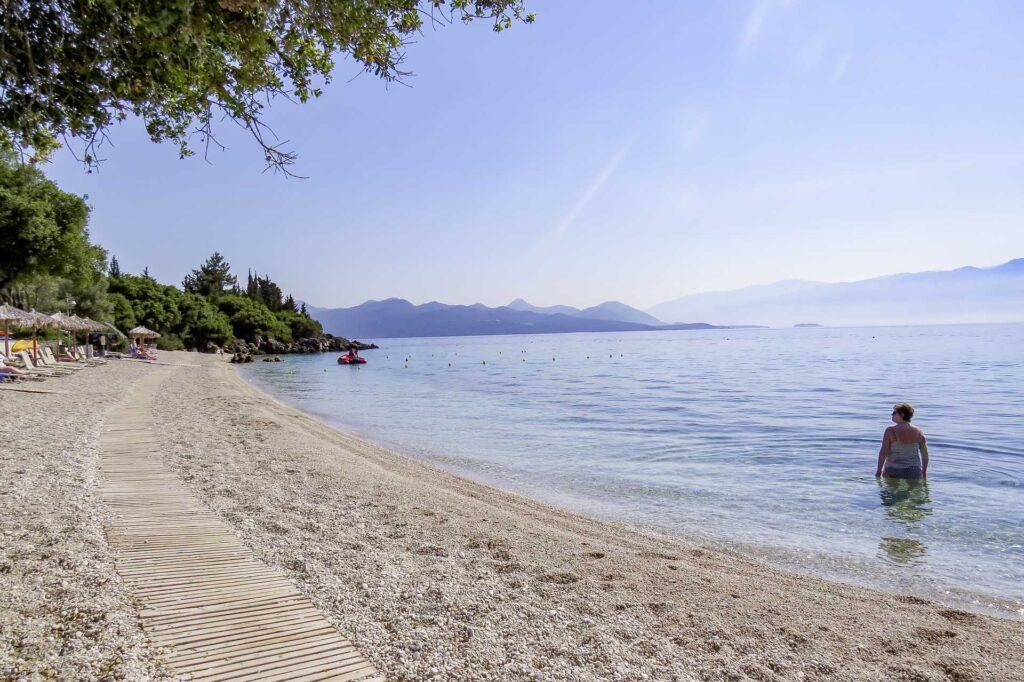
209, 607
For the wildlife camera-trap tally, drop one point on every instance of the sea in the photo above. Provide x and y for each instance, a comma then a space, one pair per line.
763, 441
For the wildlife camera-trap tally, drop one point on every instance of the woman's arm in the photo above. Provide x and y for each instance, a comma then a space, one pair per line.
883, 452
924, 455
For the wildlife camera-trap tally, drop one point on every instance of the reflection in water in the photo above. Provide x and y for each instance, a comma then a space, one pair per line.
906, 501
903, 550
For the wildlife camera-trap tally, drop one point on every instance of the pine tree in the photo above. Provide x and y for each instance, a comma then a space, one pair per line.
212, 278
115, 267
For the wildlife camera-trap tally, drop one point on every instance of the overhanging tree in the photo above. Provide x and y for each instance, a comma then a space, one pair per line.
71, 69
43, 229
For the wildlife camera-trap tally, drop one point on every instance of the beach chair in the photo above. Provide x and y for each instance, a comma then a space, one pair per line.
47, 360
17, 378
80, 354
31, 368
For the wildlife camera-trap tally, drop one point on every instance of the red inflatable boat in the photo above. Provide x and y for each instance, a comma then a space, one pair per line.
346, 360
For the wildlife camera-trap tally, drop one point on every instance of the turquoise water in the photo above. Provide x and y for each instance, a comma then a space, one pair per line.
761, 439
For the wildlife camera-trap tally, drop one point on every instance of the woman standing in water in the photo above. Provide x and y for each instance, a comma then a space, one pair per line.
904, 452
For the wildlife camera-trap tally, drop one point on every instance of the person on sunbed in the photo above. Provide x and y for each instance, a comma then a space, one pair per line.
64, 354
7, 369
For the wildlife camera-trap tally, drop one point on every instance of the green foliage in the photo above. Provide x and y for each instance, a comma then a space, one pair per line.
152, 304
212, 278
301, 326
122, 311
43, 230
264, 290
202, 323
72, 68
170, 341
250, 319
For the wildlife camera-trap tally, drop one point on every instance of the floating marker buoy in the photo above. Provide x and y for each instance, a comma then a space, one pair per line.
552, 359
449, 364
483, 362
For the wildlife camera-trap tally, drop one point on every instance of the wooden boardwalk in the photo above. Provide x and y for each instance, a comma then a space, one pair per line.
209, 607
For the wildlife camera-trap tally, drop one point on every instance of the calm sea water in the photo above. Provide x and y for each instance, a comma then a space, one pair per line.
762, 439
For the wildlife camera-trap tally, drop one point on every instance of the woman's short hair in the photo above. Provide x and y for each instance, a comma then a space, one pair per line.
905, 410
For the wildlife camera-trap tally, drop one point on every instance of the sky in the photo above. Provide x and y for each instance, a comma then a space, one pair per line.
610, 151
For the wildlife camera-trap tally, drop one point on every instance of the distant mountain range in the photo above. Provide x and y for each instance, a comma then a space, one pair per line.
963, 295
396, 317
966, 294
609, 310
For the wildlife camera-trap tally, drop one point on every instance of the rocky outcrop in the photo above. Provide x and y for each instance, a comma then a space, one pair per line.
268, 346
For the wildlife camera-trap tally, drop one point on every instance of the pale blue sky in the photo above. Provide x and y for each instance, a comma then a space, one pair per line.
630, 151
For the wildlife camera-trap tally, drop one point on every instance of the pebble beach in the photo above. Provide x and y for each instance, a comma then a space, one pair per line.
430, 575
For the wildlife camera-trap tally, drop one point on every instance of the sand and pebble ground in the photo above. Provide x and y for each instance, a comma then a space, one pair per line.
64, 613
431, 575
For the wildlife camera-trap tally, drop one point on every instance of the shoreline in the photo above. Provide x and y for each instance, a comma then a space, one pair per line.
434, 576
601, 599
848, 569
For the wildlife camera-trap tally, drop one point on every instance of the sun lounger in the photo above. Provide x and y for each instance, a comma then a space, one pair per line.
48, 360
80, 354
6, 377
31, 368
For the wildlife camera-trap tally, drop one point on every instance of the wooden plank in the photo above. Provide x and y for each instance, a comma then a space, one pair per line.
270, 664
212, 610
213, 651
308, 646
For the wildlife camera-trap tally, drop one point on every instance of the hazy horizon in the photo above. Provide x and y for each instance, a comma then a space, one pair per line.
417, 301
684, 149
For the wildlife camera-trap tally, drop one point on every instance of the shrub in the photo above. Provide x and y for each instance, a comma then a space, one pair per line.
170, 341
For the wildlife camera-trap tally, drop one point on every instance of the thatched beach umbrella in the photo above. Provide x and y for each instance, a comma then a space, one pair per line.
9, 314
92, 326
68, 323
40, 321
140, 332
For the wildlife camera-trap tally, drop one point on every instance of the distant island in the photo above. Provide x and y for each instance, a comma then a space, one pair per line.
398, 318
806, 324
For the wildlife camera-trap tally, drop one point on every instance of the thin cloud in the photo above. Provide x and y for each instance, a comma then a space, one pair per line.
692, 127
839, 71
589, 194
755, 22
